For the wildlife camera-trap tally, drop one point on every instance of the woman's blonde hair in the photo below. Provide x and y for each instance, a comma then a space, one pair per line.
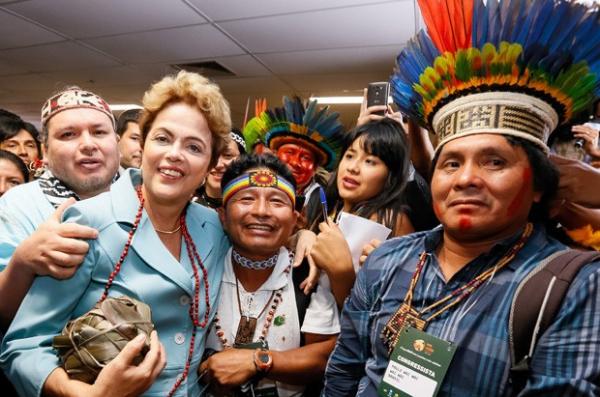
195, 90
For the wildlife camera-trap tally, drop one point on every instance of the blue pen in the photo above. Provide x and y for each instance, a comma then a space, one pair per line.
323, 203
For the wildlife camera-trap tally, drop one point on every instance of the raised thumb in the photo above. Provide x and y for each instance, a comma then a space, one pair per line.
58, 213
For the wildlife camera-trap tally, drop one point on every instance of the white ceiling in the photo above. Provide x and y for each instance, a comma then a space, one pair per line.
117, 48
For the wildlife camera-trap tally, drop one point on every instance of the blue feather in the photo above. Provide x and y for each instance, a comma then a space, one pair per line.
411, 63
429, 50
293, 109
520, 20
553, 26
508, 16
588, 37
521, 29
311, 110
493, 15
539, 23
565, 34
475, 24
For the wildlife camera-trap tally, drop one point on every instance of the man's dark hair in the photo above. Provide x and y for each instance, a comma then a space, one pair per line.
9, 127
5, 114
545, 176
35, 133
128, 116
595, 113
16, 160
253, 161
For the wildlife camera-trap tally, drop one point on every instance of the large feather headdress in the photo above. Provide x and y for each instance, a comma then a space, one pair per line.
320, 130
516, 67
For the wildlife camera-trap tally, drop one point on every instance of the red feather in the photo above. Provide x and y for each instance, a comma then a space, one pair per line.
449, 23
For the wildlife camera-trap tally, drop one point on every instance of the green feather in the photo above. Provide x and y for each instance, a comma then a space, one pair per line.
442, 68
463, 69
421, 91
427, 84
488, 54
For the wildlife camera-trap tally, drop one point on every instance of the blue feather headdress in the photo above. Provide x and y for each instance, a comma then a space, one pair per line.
517, 67
293, 123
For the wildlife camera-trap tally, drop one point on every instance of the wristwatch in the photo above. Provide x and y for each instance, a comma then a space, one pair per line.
263, 361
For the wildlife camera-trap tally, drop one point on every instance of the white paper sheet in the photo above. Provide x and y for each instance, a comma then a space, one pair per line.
358, 232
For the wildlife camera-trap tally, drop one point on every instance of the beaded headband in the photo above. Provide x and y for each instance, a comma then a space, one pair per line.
73, 99
237, 138
260, 178
505, 113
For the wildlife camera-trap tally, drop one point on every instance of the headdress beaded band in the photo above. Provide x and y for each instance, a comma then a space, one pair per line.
510, 67
259, 178
73, 99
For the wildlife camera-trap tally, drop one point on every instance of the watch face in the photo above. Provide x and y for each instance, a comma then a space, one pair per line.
264, 358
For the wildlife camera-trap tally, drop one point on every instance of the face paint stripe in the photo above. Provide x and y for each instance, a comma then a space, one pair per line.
518, 201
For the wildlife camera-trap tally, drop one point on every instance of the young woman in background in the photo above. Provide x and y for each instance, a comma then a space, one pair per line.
370, 182
13, 171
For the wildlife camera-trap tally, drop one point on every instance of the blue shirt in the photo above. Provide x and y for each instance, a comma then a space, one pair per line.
566, 360
22, 209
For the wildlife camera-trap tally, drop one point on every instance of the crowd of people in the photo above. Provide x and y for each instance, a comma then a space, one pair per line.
446, 245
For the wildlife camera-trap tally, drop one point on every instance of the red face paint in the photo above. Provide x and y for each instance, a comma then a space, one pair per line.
301, 162
517, 202
465, 224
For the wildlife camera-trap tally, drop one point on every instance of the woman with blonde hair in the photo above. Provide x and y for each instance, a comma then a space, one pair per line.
153, 245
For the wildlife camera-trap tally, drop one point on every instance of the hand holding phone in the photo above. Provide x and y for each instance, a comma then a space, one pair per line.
377, 95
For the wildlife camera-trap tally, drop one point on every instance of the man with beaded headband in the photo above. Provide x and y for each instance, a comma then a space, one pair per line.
303, 138
81, 156
492, 80
276, 340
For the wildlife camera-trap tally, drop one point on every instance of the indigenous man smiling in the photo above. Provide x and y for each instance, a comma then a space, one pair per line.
267, 343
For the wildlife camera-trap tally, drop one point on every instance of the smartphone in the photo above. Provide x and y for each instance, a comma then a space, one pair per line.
377, 94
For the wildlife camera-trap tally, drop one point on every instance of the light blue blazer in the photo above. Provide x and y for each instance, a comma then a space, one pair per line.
22, 209
150, 274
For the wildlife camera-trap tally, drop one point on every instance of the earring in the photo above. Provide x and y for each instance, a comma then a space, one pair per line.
36, 168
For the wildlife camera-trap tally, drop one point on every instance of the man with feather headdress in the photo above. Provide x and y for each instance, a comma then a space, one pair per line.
435, 313
305, 138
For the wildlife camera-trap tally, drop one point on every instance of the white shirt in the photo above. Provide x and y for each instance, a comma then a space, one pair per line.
310, 189
321, 315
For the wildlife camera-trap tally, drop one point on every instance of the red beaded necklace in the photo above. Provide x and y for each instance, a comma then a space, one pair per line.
194, 258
